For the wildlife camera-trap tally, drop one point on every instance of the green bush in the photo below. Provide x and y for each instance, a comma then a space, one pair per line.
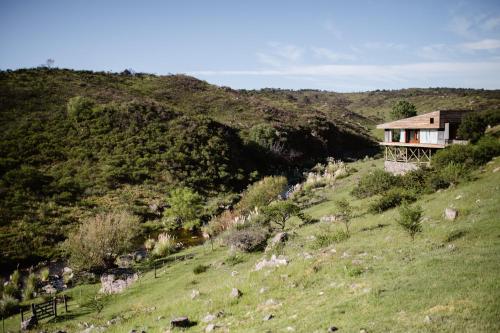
98, 240
165, 245
198, 269
186, 208
249, 239
403, 109
278, 212
44, 274
261, 193
234, 259
410, 219
474, 124
458, 154
8, 305
326, 239
392, 198
30, 286
485, 149
374, 183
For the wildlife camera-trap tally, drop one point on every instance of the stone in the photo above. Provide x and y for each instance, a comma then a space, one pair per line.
262, 290
273, 262
49, 289
290, 329
458, 197
111, 286
363, 331
427, 319
307, 255
180, 322
211, 327
450, 213
279, 238
208, 318
234, 273
332, 329
235, 293
195, 294
268, 317
496, 169
328, 218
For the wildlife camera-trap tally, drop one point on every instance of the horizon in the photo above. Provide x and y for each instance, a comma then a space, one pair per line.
332, 46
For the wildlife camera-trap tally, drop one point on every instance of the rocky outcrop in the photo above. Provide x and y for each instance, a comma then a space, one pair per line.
273, 262
111, 285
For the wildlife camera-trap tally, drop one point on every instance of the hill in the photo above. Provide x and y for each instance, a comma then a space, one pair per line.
75, 143
378, 280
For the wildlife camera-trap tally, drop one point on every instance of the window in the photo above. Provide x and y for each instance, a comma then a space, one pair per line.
432, 120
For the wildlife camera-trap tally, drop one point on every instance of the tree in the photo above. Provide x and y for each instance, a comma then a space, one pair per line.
344, 212
100, 239
472, 127
279, 212
49, 63
403, 109
261, 193
186, 208
410, 219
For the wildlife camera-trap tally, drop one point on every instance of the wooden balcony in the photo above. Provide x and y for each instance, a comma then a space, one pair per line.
415, 145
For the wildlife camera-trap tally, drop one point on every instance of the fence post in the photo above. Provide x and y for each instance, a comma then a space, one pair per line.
154, 264
33, 310
54, 306
22, 314
65, 304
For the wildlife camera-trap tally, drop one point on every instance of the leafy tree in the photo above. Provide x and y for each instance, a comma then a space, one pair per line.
403, 109
186, 208
472, 127
279, 212
344, 212
261, 193
410, 219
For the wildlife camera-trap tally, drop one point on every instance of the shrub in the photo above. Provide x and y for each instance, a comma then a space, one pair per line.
454, 235
8, 305
186, 208
410, 219
30, 287
165, 245
392, 198
198, 269
353, 270
458, 154
15, 278
11, 289
98, 240
234, 259
326, 239
220, 223
249, 239
373, 183
44, 274
262, 193
485, 149
453, 173
149, 244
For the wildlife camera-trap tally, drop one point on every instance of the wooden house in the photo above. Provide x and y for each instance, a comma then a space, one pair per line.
410, 142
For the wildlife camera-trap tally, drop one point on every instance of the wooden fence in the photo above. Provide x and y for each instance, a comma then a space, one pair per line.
46, 309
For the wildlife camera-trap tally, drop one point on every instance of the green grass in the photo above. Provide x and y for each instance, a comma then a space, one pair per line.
378, 279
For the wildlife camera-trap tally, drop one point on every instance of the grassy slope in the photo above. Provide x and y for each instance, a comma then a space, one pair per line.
455, 283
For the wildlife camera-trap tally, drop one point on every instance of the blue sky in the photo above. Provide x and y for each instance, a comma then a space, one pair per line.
330, 45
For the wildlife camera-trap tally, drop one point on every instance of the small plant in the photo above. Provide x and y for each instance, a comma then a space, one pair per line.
149, 244
234, 259
344, 212
95, 303
200, 269
11, 289
44, 274
454, 235
353, 270
165, 245
410, 219
15, 278
327, 239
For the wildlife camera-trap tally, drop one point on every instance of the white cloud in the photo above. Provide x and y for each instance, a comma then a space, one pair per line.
435, 51
482, 74
280, 54
485, 44
324, 53
384, 45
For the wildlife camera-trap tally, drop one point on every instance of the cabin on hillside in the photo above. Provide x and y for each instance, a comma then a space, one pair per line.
410, 142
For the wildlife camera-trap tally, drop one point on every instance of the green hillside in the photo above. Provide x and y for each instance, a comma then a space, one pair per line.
378, 280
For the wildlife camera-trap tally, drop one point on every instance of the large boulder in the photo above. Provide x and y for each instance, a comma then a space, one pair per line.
273, 262
110, 285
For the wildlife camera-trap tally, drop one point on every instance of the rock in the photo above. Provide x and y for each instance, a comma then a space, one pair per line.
195, 294
210, 327
332, 329
208, 318
458, 197
290, 329
328, 218
496, 169
427, 319
160, 318
363, 331
235, 293
262, 290
180, 322
450, 213
234, 273
111, 286
268, 317
307, 255
49, 289
279, 238
273, 262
